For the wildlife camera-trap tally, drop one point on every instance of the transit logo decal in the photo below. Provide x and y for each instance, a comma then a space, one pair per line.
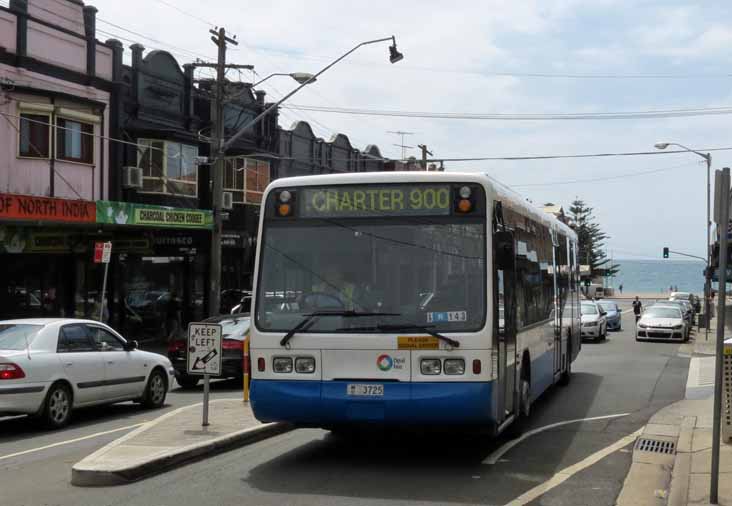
384, 362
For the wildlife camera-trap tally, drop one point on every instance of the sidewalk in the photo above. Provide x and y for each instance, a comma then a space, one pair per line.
680, 475
172, 440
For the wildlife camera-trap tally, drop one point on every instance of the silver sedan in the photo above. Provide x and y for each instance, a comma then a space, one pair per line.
49, 366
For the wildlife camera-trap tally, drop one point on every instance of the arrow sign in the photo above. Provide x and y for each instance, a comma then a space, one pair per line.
204, 348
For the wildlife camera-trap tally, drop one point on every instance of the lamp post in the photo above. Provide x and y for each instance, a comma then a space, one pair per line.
300, 77
223, 145
707, 281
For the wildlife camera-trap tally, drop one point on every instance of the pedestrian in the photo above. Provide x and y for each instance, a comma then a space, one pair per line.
621, 288
173, 320
637, 308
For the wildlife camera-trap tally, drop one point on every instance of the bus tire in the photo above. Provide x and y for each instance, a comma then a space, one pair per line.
517, 428
566, 376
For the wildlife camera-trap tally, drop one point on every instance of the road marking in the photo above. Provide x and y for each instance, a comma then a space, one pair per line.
70, 441
570, 471
493, 457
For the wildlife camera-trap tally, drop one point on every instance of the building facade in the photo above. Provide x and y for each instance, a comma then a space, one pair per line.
55, 89
96, 150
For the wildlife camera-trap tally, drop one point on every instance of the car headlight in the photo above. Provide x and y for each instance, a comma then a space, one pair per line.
677, 327
589, 324
454, 366
305, 365
642, 325
431, 366
282, 364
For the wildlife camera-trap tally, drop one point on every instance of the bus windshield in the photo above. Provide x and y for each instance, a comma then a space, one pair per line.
427, 271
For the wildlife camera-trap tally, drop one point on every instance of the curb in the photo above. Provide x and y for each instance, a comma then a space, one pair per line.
681, 472
99, 476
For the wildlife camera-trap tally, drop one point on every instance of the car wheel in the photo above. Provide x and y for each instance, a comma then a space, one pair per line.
187, 382
155, 391
57, 407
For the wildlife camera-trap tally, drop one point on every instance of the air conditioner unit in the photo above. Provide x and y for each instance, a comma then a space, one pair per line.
227, 202
131, 177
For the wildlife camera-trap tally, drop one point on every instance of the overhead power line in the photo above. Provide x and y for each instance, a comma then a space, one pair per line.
605, 178
617, 115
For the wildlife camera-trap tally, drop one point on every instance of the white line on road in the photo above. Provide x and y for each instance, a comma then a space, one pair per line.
70, 441
570, 471
493, 457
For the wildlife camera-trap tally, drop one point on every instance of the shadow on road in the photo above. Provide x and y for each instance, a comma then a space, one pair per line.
443, 467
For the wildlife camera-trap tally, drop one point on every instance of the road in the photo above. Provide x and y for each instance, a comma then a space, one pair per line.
307, 467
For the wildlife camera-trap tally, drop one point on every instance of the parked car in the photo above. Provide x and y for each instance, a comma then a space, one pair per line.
686, 309
680, 296
594, 320
614, 315
50, 366
662, 321
234, 329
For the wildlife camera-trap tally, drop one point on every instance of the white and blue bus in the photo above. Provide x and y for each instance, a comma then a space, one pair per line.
412, 298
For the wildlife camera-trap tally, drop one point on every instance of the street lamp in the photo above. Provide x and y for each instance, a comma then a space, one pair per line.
224, 145
300, 77
707, 282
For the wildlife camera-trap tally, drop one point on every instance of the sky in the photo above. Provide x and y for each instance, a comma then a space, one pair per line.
473, 57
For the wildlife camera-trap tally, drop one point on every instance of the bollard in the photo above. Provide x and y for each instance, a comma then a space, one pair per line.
245, 369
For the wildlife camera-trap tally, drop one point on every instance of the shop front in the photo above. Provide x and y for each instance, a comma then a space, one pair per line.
158, 274
44, 245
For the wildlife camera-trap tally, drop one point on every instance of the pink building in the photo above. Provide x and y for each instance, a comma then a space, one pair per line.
55, 86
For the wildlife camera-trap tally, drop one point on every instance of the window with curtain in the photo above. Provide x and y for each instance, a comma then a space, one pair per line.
74, 141
34, 137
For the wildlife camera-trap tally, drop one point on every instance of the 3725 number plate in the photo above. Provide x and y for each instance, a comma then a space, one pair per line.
365, 390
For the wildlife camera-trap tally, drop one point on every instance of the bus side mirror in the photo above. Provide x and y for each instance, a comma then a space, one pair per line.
504, 250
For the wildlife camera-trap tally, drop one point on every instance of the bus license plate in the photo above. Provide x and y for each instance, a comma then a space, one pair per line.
365, 390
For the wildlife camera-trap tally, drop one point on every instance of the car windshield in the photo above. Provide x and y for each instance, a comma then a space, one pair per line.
681, 296
425, 270
663, 312
588, 309
609, 306
16, 336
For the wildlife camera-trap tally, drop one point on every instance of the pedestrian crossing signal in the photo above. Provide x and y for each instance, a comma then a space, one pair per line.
665, 252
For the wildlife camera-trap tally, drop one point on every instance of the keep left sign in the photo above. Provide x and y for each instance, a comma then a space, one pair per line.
204, 348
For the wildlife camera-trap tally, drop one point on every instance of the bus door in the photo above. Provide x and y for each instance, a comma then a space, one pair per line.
559, 268
505, 326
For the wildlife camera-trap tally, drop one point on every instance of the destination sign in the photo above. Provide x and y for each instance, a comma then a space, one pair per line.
365, 201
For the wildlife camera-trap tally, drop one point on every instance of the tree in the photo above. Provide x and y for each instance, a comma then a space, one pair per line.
591, 240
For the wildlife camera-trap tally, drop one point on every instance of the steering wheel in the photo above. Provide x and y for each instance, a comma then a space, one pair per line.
320, 300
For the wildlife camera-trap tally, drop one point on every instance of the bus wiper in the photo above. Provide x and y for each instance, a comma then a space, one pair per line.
310, 319
410, 326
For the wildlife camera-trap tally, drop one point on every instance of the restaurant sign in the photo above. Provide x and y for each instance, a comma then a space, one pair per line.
125, 213
30, 208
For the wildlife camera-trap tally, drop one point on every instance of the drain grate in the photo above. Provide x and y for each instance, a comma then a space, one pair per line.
656, 446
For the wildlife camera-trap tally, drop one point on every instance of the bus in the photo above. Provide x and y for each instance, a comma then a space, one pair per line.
409, 298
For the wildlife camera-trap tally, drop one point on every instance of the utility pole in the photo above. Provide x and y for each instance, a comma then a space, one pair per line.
425, 152
217, 163
721, 215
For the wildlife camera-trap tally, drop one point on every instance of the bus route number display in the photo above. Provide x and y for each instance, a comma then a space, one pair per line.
372, 201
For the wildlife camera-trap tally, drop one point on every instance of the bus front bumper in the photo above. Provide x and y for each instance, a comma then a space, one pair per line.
325, 403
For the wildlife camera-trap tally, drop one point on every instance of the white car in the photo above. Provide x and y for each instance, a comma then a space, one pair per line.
662, 322
49, 366
594, 320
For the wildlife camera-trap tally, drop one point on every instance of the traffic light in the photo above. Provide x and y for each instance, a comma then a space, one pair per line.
665, 252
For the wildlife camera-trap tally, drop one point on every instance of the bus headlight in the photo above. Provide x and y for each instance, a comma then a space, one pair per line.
454, 366
431, 366
282, 364
305, 365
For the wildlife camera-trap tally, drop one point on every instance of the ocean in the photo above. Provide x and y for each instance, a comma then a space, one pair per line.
656, 276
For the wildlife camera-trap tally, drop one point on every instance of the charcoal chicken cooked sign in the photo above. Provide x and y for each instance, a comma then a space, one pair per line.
204, 348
